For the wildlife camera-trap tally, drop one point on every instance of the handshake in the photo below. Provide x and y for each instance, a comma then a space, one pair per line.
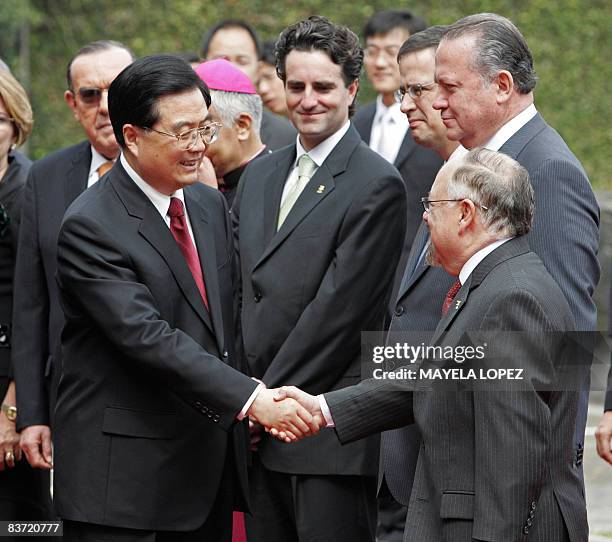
287, 413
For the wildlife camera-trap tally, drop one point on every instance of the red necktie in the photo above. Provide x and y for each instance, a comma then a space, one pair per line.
180, 231
450, 296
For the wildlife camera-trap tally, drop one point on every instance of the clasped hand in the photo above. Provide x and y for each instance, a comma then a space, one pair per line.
287, 413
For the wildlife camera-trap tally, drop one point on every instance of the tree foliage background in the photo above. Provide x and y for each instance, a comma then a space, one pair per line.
569, 40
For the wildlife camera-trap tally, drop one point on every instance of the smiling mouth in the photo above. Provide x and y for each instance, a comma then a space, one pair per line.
190, 163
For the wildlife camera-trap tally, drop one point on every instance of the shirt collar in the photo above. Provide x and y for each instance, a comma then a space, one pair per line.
472, 263
511, 127
159, 200
323, 149
391, 112
96, 160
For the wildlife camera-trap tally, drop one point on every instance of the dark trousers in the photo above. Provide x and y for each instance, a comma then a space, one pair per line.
310, 508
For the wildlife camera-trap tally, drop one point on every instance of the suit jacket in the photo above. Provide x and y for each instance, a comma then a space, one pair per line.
502, 460
311, 287
276, 131
53, 183
148, 398
565, 235
417, 165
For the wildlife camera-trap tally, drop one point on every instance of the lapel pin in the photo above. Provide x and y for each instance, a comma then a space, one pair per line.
320, 189
457, 304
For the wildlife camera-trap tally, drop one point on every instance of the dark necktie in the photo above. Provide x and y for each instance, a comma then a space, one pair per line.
180, 231
450, 296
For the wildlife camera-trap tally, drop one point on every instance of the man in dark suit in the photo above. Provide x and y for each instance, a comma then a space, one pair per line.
485, 77
145, 277
236, 41
381, 124
496, 458
53, 183
319, 229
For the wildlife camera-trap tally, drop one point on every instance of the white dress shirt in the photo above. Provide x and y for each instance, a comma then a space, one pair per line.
96, 161
318, 155
389, 128
510, 128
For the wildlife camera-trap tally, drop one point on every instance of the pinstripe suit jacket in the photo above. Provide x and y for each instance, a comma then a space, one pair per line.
491, 466
565, 235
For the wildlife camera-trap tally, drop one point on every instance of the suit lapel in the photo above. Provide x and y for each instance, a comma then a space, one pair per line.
205, 244
77, 173
273, 192
157, 233
318, 188
407, 147
520, 139
456, 307
415, 267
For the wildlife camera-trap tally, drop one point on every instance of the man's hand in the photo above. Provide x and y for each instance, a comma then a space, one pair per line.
309, 402
603, 437
287, 417
36, 444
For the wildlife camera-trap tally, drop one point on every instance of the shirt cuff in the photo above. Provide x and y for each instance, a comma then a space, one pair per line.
329, 421
242, 414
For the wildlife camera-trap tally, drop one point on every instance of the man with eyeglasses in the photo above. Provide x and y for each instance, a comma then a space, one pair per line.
53, 183
150, 437
381, 124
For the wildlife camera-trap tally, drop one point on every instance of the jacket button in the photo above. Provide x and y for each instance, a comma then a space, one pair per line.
257, 297
399, 310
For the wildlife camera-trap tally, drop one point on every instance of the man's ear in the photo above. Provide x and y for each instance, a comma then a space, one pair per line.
243, 125
467, 216
505, 86
131, 135
70, 99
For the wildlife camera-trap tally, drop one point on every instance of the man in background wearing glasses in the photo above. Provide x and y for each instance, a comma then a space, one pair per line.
381, 124
53, 183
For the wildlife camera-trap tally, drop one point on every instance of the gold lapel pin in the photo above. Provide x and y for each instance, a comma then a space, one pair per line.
320, 189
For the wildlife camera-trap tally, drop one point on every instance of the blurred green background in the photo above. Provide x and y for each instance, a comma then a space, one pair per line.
570, 41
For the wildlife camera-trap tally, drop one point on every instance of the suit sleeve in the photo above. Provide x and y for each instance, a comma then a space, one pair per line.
565, 234
96, 277
352, 295
512, 428
30, 316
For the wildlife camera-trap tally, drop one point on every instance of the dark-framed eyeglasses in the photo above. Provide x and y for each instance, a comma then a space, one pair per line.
91, 95
427, 203
414, 91
5, 221
188, 139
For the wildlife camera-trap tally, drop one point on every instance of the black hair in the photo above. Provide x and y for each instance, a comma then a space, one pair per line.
133, 95
425, 39
230, 23
383, 22
268, 54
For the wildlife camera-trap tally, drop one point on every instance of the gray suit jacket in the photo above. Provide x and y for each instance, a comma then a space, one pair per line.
565, 235
310, 288
502, 461
276, 131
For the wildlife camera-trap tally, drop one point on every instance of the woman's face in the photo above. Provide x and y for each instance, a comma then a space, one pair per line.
7, 132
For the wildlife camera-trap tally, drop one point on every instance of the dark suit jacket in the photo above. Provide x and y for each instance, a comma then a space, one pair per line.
417, 165
309, 289
53, 183
500, 459
276, 131
148, 399
565, 235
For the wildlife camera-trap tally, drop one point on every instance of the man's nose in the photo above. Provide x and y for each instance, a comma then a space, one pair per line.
407, 104
103, 107
440, 101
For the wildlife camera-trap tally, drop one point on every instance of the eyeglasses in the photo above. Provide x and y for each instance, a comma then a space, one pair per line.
427, 203
6, 120
91, 95
414, 91
187, 140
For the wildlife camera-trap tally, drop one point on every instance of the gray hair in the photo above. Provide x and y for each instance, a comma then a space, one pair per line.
499, 46
499, 183
230, 105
